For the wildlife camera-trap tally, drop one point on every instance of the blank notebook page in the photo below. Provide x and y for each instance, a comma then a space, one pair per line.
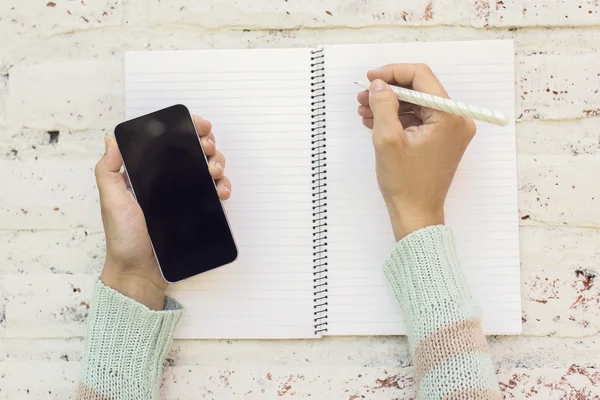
481, 206
259, 104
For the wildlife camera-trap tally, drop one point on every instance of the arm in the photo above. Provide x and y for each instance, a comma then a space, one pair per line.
449, 349
417, 152
131, 322
125, 346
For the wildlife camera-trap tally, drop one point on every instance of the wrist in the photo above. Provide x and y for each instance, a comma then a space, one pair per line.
406, 220
138, 288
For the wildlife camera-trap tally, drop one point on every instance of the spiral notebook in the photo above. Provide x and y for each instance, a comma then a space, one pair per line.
306, 212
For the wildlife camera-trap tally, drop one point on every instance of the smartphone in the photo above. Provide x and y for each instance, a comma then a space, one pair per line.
168, 172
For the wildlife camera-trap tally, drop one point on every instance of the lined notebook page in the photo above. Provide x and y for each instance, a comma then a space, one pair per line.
481, 206
259, 104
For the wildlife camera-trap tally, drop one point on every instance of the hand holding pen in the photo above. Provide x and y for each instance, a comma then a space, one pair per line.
417, 149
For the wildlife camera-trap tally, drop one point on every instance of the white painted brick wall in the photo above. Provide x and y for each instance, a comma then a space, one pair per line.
81, 94
61, 69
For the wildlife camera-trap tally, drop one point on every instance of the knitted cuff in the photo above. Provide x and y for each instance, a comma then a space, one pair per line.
425, 275
126, 344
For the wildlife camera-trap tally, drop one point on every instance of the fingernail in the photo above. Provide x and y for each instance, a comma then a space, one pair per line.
209, 140
106, 141
226, 189
218, 165
377, 85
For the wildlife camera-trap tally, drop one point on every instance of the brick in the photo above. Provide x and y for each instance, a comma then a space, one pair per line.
111, 42
49, 350
46, 305
269, 382
541, 40
559, 189
20, 19
552, 86
56, 194
568, 137
531, 352
56, 251
384, 352
560, 288
507, 13
277, 14
76, 46
26, 145
38, 380
67, 95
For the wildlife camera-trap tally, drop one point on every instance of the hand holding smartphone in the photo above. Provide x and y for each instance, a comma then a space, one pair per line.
173, 185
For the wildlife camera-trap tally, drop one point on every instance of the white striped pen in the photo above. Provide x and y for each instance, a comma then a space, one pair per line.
445, 105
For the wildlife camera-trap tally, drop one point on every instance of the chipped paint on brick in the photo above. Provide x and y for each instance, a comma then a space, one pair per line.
482, 9
428, 11
571, 383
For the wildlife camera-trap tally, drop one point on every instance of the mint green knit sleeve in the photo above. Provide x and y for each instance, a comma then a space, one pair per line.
450, 353
125, 346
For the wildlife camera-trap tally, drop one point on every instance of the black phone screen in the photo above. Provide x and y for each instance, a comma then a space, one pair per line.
169, 176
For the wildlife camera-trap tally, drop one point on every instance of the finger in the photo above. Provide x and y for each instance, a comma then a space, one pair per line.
208, 144
365, 111
368, 122
363, 98
409, 119
216, 165
107, 171
407, 107
203, 127
224, 188
385, 106
418, 76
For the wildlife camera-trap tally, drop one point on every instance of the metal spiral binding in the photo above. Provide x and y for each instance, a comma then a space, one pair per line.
319, 202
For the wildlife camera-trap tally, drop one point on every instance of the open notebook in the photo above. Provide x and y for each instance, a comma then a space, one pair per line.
308, 217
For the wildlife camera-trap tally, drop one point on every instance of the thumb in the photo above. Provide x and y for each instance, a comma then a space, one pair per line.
385, 106
108, 175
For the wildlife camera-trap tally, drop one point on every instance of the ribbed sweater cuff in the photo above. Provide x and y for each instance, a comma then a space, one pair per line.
425, 275
126, 344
